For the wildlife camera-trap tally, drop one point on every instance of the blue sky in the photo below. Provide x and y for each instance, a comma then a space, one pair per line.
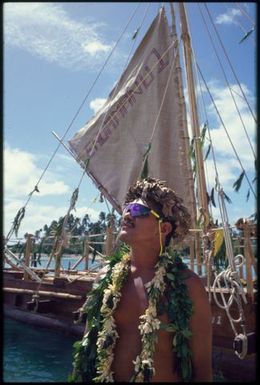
52, 54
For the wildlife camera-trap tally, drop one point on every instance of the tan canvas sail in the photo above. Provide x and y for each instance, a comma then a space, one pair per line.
133, 117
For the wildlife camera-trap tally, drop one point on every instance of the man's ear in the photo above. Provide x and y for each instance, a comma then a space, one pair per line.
166, 227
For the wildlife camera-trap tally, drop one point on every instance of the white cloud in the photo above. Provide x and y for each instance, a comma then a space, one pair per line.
95, 47
21, 174
229, 17
232, 122
47, 31
96, 104
228, 167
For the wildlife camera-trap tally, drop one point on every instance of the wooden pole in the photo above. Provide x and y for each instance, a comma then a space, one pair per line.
86, 253
249, 278
27, 254
192, 254
202, 196
109, 241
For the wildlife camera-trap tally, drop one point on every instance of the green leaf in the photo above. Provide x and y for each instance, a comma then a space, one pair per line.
212, 198
168, 327
227, 198
246, 35
238, 182
203, 133
144, 173
208, 151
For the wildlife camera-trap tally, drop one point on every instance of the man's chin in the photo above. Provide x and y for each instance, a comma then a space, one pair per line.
123, 236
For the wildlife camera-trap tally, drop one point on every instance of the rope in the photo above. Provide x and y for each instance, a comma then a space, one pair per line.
75, 116
233, 71
232, 282
245, 14
225, 77
241, 165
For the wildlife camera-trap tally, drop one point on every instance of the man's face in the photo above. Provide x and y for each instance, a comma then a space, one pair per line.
136, 229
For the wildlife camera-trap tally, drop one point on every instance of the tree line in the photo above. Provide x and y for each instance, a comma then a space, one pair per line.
74, 227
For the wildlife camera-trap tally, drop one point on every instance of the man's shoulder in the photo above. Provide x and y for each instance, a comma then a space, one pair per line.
193, 280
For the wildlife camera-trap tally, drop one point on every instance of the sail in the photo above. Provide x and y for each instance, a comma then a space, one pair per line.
145, 110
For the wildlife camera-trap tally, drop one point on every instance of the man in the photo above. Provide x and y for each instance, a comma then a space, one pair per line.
146, 329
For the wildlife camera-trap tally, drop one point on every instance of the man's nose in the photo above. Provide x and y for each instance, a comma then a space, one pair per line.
127, 214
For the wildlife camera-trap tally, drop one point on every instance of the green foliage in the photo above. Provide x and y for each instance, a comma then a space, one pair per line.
237, 184
85, 351
212, 197
178, 306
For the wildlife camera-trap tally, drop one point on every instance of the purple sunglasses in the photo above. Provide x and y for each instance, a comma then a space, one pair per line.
139, 210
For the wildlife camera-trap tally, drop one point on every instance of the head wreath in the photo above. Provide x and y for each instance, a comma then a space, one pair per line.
171, 205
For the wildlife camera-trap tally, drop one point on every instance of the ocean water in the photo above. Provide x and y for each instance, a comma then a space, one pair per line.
34, 354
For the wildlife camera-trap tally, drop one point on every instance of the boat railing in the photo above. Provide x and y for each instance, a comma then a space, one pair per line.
93, 255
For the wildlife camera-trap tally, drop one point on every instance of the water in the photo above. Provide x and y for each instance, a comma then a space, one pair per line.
66, 262
33, 354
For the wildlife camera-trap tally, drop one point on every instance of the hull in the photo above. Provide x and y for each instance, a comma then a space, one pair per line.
60, 299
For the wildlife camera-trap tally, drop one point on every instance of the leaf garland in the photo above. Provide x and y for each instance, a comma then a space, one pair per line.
178, 306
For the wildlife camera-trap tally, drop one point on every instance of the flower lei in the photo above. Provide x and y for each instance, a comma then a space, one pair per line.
93, 355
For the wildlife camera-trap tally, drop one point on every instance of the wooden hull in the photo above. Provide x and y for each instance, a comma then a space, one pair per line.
59, 300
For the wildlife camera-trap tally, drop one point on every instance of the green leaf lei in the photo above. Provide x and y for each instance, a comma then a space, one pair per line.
93, 355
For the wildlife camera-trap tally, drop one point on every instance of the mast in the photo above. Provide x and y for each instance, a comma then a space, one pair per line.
201, 182
186, 136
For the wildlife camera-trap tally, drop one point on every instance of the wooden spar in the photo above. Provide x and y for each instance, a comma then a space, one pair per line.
42, 293
27, 255
86, 252
26, 268
202, 196
249, 260
10, 263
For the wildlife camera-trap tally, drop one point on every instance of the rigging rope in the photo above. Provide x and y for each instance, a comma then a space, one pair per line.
230, 275
231, 66
241, 165
227, 82
75, 116
245, 14
99, 130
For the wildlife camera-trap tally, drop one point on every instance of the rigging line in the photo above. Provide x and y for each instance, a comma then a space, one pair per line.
210, 139
91, 88
245, 14
78, 111
231, 66
227, 82
226, 131
237, 22
115, 89
105, 115
81, 105
198, 163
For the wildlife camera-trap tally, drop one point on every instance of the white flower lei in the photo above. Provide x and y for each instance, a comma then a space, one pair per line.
149, 323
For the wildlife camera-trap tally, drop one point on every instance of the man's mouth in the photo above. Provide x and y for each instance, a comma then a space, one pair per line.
127, 224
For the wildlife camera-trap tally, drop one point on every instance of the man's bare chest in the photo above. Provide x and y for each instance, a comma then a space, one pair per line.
133, 302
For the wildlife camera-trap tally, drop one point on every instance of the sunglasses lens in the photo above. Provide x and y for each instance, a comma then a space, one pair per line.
137, 210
